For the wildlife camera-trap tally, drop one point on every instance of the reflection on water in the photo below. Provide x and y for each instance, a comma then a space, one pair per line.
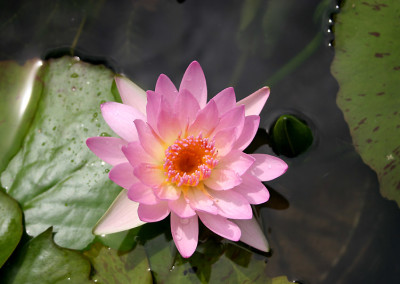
326, 221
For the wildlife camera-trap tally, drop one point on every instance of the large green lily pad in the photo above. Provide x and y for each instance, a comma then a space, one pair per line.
41, 261
10, 226
367, 67
54, 176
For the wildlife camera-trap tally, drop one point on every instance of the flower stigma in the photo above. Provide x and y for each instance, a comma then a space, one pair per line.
190, 160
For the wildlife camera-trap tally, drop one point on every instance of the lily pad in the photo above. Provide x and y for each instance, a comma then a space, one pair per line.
109, 263
41, 261
10, 226
54, 176
367, 68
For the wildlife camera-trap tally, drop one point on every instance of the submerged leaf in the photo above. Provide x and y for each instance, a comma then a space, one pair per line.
41, 261
367, 67
10, 226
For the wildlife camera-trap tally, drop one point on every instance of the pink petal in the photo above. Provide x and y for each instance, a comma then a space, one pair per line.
131, 94
225, 100
252, 234
181, 207
149, 174
252, 189
206, 120
268, 167
194, 81
153, 213
222, 179
167, 191
188, 108
236, 161
151, 143
221, 226
201, 201
136, 155
249, 130
255, 102
224, 141
142, 194
232, 118
122, 174
122, 215
108, 149
120, 118
153, 108
231, 204
166, 88
185, 232
167, 125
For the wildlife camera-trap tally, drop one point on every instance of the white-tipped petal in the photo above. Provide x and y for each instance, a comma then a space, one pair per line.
131, 94
255, 102
252, 234
122, 215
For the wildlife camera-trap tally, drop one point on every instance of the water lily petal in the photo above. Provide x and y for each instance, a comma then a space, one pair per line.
153, 108
252, 234
167, 125
154, 212
255, 102
188, 108
236, 161
206, 120
225, 100
167, 191
151, 143
108, 149
201, 201
136, 155
249, 130
231, 204
143, 194
252, 189
149, 174
222, 179
185, 232
181, 207
233, 117
122, 174
131, 94
195, 82
122, 215
224, 141
267, 167
221, 226
120, 118
165, 87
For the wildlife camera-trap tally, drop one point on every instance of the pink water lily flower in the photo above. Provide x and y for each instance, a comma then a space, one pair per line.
182, 156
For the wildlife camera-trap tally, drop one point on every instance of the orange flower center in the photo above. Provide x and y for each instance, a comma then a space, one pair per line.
190, 160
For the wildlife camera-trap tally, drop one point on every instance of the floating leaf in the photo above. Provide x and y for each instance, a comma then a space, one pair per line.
367, 67
41, 261
54, 176
20, 91
10, 226
111, 266
290, 136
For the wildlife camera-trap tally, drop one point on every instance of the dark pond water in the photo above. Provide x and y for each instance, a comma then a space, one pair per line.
326, 220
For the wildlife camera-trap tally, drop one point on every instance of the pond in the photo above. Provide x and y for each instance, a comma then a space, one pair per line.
326, 221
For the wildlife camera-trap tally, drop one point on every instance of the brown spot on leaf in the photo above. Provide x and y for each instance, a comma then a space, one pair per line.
378, 115
398, 126
362, 121
380, 93
398, 186
361, 95
348, 99
355, 128
369, 140
380, 55
376, 7
395, 113
375, 129
396, 68
375, 34
388, 165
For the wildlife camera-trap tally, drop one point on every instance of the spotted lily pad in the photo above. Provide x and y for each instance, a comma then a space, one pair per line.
367, 68
54, 177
